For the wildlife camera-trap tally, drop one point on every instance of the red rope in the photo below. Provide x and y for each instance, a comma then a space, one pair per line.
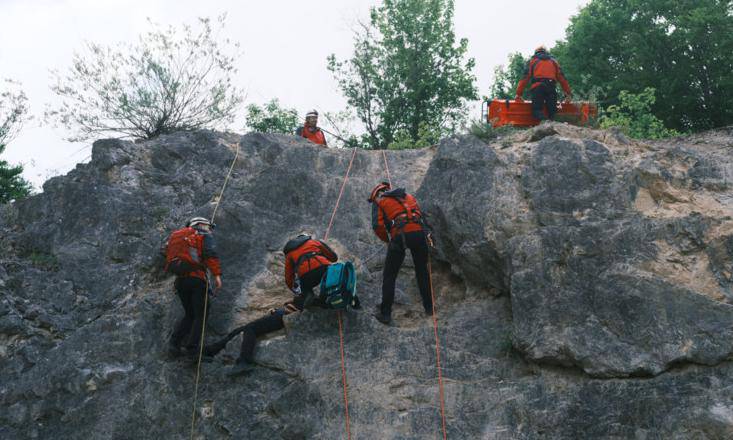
437, 351
343, 379
435, 327
341, 193
341, 331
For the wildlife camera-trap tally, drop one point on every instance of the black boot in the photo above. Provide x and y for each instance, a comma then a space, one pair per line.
384, 318
212, 350
241, 368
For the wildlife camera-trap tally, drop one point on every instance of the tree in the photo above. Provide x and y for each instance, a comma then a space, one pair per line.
407, 71
272, 118
633, 115
681, 48
507, 78
13, 111
171, 80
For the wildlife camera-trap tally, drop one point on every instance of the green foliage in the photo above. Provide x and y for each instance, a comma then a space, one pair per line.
272, 118
487, 133
634, 116
341, 134
13, 111
683, 49
507, 78
427, 136
171, 80
407, 71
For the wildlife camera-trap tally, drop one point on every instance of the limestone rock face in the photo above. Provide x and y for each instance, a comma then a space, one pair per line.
583, 283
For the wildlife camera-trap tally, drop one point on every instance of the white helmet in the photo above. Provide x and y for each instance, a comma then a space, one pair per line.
200, 221
313, 113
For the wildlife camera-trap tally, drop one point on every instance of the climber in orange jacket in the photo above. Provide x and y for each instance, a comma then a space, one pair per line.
191, 255
397, 220
311, 131
543, 72
306, 261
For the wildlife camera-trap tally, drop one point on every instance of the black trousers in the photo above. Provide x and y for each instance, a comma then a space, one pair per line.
270, 323
417, 243
544, 95
191, 291
308, 282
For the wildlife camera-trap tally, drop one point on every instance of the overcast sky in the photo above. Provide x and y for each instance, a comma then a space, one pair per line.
284, 43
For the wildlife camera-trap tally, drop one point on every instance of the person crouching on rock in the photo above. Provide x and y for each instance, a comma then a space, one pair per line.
398, 221
306, 261
190, 255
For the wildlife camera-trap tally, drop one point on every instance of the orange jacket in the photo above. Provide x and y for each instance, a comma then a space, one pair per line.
322, 254
395, 212
542, 66
317, 136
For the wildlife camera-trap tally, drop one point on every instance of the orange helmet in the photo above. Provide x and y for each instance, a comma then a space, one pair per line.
377, 190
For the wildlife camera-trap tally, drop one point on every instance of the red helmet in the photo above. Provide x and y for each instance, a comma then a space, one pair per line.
377, 190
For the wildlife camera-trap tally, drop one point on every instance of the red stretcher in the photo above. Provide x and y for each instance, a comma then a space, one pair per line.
501, 112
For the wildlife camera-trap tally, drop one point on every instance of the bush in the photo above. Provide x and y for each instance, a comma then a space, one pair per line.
487, 133
170, 80
633, 115
271, 118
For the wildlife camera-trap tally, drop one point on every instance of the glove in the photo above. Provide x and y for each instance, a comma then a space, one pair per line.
430, 240
518, 99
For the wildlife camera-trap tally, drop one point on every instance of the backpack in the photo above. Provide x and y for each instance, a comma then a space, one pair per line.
182, 254
295, 243
338, 286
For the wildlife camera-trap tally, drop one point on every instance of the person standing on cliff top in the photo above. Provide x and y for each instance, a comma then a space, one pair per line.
543, 73
311, 131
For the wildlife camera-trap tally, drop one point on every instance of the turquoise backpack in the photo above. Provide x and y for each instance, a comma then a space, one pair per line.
338, 286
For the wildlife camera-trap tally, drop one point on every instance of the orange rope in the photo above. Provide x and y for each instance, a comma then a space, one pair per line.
341, 193
341, 331
343, 379
386, 167
437, 351
435, 327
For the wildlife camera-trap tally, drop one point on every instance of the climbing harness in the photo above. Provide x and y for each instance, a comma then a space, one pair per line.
435, 322
206, 301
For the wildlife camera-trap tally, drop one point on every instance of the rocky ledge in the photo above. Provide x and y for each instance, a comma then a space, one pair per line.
584, 285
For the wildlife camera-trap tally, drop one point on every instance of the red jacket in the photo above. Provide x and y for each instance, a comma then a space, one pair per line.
542, 66
395, 212
323, 255
317, 136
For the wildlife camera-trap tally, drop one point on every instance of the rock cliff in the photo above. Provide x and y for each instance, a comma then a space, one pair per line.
584, 286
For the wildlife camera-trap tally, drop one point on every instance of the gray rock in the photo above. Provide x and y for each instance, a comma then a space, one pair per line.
583, 285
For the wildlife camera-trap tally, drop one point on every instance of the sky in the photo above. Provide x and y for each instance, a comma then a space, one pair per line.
284, 48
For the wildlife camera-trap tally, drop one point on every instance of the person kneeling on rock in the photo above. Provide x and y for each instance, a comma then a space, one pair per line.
306, 260
397, 220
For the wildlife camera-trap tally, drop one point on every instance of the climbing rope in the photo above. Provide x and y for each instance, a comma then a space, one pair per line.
206, 302
338, 314
435, 326
386, 168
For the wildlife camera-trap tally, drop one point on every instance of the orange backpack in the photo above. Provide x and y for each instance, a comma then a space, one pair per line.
182, 252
